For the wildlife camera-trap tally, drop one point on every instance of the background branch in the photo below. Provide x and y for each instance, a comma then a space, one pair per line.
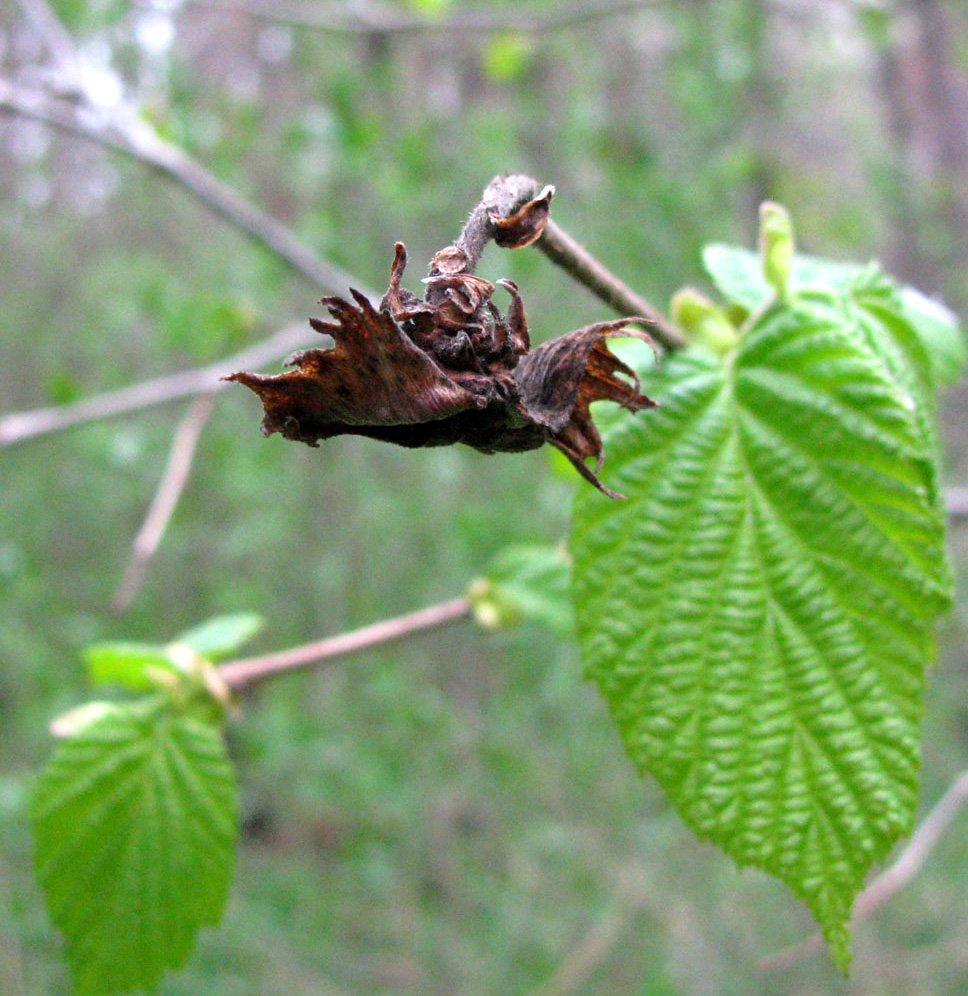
243, 673
957, 500
18, 426
55, 36
170, 487
373, 18
573, 974
123, 131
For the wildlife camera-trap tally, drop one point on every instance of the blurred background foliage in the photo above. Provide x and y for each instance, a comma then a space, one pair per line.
453, 814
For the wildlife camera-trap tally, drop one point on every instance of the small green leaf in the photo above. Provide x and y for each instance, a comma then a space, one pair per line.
134, 832
78, 719
702, 322
223, 635
874, 20
126, 664
760, 612
431, 9
737, 274
525, 582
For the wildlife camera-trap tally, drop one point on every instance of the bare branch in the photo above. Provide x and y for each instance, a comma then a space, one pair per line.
124, 131
909, 862
170, 487
18, 426
573, 973
563, 250
381, 18
243, 673
59, 43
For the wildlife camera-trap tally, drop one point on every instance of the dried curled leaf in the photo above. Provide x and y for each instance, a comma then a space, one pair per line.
451, 369
525, 225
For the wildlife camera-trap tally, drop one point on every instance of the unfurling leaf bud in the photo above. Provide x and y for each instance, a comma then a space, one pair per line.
776, 246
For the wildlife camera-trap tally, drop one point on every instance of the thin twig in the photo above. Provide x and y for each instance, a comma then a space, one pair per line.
572, 257
55, 36
893, 879
124, 131
243, 673
371, 18
170, 487
593, 948
18, 426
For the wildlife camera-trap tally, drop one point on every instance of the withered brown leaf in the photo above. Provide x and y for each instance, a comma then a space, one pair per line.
451, 368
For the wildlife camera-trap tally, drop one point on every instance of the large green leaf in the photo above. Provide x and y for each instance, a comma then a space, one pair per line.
760, 611
135, 825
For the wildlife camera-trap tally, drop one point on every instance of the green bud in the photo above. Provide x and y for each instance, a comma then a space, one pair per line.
702, 322
489, 609
776, 246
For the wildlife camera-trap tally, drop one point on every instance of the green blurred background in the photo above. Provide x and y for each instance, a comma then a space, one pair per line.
453, 814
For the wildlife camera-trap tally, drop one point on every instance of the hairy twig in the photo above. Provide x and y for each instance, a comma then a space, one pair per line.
910, 861
563, 250
374, 18
243, 673
170, 487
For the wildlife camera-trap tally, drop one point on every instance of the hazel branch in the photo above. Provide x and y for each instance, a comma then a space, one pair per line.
513, 211
243, 673
577, 261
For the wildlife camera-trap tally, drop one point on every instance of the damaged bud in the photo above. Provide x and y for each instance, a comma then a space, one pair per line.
451, 368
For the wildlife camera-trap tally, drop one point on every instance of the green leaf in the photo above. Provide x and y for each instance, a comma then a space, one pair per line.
126, 664
223, 635
525, 582
737, 274
74, 721
939, 330
760, 612
701, 321
134, 829
506, 56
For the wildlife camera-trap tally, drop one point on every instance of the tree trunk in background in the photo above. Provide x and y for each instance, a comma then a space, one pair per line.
763, 102
944, 111
906, 257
